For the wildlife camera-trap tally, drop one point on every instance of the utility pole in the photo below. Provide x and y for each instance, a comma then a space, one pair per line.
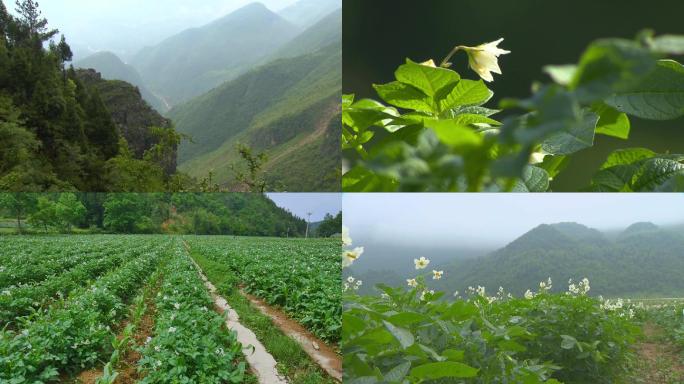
306, 236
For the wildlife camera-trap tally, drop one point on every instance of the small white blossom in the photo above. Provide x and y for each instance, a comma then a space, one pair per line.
350, 256
436, 275
172, 330
412, 283
529, 295
346, 239
421, 263
484, 59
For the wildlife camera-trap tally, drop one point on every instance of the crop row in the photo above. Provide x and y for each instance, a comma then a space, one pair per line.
303, 277
191, 343
30, 260
77, 332
24, 300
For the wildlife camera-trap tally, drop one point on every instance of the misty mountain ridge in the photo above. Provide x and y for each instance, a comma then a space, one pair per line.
643, 260
198, 59
111, 67
305, 13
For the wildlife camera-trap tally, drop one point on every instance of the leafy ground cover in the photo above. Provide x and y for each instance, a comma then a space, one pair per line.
300, 276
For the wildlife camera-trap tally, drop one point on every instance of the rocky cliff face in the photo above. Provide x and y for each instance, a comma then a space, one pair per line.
132, 115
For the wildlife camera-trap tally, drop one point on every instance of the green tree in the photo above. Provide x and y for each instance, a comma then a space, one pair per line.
32, 21
45, 214
125, 212
331, 225
69, 210
20, 205
252, 178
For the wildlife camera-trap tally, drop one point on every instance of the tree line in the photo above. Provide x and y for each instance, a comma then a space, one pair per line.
241, 214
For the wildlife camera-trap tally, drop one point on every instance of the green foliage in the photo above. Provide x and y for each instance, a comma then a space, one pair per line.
331, 225
303, 276
413, 336
191, 342
433, 133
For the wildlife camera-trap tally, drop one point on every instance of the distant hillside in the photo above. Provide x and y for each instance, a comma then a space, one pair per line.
643, 260
197, 60
326, 32
133, 117
288, 108
305, 13
112, 68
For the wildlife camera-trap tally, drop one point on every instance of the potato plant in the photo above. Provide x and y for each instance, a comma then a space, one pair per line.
433, 130
300, 276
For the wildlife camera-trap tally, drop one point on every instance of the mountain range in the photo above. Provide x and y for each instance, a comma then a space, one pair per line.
643, 260
268, 80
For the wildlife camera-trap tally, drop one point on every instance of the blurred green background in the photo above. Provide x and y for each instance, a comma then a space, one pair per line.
378, 35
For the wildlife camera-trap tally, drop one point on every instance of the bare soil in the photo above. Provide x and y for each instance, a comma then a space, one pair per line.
659, 362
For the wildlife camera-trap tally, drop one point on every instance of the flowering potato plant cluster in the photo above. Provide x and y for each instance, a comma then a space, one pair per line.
413, 334
75, 333
300, 276
191, 343
432, 130
670, 318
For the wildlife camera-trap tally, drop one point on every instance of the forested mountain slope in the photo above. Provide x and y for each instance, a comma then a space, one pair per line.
197, 60
644, 260
288, 108
57, 132
111, 67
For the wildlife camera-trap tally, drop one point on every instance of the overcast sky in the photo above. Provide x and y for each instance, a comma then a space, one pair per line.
301, 203
124, 26
483, 219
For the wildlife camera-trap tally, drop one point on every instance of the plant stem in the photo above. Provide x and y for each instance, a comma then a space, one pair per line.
451, 54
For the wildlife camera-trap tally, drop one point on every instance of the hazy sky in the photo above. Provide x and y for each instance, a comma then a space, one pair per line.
317, 203
124, 26
483, 219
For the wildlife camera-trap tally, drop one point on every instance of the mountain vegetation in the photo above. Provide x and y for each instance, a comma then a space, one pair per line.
189, 213
288, 109
572, 251
111, 67
196, 60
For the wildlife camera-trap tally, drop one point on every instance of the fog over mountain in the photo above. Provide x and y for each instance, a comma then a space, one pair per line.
126, 26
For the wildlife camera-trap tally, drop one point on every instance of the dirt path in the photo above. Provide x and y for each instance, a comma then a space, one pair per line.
321, 127
261, 362
318, 350
659, 362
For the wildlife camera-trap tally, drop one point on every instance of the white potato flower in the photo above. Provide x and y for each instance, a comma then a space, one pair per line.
529, 295
412, 283
349, 256
484, 59
346, 240
350, 279
421, 263
436, 275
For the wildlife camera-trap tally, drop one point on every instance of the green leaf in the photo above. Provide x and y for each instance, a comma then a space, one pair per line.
534, 179
453, 355
404, 336
427, 79
656, 172
397, 374
471, 119
452, 133
568, 342
443, 369
608, 65
659, 96
553, 165
347, 100
561, 74
612, 122
575, 137
407, 318
404, 96
627, 156
467, 93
